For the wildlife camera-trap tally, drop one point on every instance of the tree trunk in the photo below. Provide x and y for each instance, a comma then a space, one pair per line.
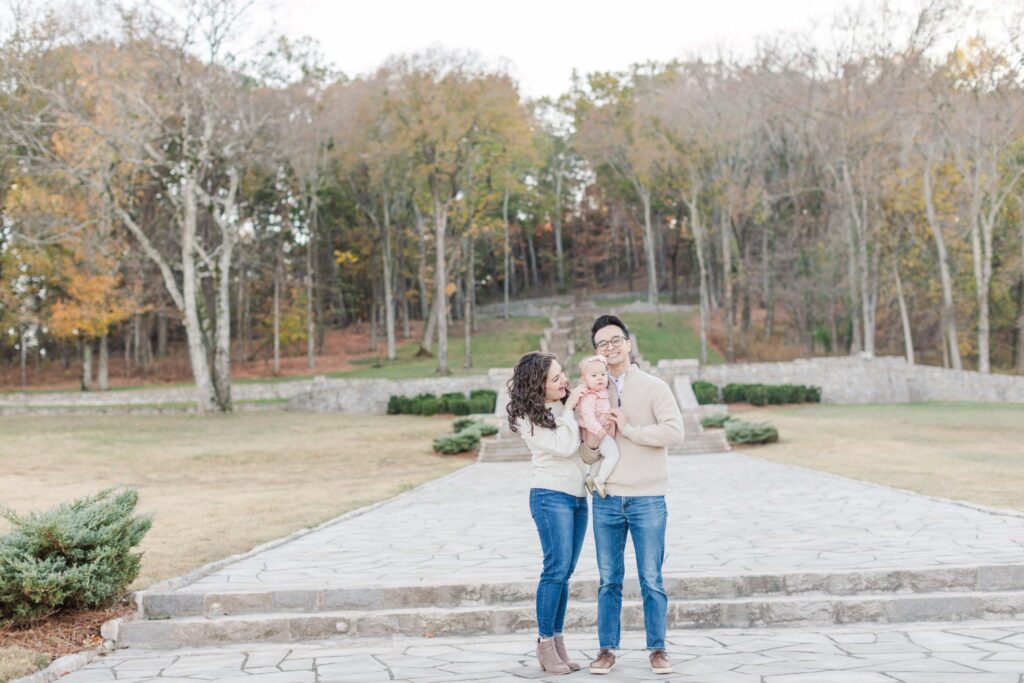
389, 298
1020, 303
222, 335
698, 240
468, 303
197, 351
948, 312
534, 270
507, 253
103, 375
401, 285
652, 270
161, 334
86, 365
240, 315
310, 319
425, 310
23, 355
441, 278
730, 333
855, 338
277, 315
908, 338
559, 253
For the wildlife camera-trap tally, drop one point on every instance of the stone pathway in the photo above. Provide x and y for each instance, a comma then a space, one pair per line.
966, 652
728, 514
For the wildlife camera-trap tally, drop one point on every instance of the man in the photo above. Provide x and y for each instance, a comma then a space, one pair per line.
648, 420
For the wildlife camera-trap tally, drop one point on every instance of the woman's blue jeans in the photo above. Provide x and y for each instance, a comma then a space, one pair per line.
561, 522
644, 519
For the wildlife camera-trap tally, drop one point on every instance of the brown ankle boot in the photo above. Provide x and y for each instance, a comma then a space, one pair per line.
563, 655
549, 659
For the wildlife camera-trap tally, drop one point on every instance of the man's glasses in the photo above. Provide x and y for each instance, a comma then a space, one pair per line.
605, 344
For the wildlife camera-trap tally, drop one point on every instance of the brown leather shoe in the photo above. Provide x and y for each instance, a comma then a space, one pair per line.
604, 663
549, 659
563, 655
660, 663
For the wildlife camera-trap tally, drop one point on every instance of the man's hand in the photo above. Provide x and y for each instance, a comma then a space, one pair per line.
621, 421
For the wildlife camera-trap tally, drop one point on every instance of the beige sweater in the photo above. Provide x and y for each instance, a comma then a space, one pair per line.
655, 423
555, 462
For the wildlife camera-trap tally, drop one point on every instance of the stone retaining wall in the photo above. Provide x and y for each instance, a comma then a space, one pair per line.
239, 392
371, 395
859, 380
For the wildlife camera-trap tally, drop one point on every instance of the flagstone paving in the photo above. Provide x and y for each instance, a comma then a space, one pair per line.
728, 514
965, 652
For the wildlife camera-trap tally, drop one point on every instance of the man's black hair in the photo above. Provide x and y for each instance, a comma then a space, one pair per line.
604, 321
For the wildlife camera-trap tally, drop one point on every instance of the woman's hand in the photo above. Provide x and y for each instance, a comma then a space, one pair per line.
574, 397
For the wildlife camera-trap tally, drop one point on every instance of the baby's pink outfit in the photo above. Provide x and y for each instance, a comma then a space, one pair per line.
595, 412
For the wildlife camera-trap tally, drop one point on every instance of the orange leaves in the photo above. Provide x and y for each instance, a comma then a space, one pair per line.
93, 303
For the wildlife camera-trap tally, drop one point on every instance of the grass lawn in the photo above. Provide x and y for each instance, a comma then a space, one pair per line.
218, 485
676, 338
498, 343
965, 451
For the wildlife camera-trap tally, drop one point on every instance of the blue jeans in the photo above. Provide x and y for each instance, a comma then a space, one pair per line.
644, 518
561, 522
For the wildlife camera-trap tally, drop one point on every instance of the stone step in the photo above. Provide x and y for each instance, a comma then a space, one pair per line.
809, 610
985, 578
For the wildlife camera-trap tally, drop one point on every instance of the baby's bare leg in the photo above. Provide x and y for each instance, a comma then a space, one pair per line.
610, 450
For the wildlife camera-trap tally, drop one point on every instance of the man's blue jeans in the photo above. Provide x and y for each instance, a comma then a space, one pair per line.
644, 518
561, 522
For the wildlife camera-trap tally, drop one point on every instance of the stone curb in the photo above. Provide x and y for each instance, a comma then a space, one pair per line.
814, 610
62, 666
951, 579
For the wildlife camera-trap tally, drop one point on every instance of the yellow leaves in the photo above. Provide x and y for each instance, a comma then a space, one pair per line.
343, 258
450, 288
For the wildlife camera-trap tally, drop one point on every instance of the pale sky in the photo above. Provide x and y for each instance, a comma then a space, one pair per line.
542, 40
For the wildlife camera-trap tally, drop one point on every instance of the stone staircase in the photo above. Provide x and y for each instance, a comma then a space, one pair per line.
186, 619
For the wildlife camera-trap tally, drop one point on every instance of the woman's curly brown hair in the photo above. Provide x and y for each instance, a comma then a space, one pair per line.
526, 391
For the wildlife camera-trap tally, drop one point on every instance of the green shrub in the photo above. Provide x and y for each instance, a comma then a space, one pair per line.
742, 432
482, 428
450, 399
486, 429
463, 441
735, 393
715, 421
757, 395
429, 405
458, 406
706, 392
73, 556
462, 423
774, 394
481, 405
395, 405
485, 399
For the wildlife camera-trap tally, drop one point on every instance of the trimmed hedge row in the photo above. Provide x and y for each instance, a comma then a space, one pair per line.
454, 403
756, 394
466, 437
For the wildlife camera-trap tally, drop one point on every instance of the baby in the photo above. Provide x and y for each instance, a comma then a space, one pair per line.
595, 417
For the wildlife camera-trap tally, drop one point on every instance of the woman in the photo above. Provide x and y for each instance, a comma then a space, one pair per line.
558, 498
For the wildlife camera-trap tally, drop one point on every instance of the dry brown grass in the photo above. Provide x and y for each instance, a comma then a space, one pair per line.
221, 485
18, 661
964, 451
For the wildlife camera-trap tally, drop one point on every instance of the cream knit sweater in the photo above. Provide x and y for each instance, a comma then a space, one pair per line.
655, 423
555, 462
